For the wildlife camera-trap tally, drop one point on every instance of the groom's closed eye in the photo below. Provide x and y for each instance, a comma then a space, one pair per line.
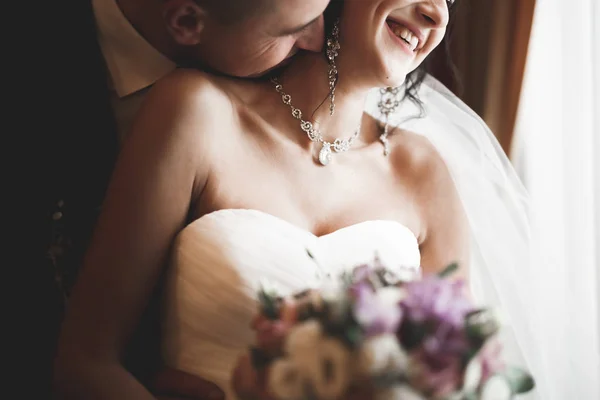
298, 29
309, 36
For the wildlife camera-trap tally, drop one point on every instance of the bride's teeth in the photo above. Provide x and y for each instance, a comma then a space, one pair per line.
405, 33
414, 42
407, 36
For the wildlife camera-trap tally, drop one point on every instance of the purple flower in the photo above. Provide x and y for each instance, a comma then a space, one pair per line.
437, 375
366, 273
436, 299
433, 329
491, 359
362, 273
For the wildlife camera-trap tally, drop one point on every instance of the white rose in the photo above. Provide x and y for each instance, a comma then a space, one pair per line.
496, 388
382, 355
408, 273
391, 295
473, 375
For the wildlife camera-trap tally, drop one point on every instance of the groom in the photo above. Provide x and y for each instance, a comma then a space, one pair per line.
143, 40
103, 63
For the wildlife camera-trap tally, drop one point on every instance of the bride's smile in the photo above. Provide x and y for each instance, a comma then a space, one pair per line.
380, 43
409, 38
387, 39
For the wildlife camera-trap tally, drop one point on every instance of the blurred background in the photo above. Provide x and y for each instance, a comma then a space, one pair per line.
531, 70
488, 46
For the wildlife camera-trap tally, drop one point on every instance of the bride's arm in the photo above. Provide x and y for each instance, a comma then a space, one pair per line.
445, 235
160, 170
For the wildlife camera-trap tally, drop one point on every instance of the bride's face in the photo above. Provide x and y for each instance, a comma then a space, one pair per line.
387, 39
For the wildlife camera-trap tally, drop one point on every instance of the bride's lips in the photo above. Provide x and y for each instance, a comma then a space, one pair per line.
403, 45
392, 23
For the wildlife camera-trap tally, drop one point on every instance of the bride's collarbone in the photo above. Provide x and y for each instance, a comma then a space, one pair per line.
319, 212
288, 182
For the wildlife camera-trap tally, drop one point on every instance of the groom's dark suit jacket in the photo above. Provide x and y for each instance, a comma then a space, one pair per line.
74, 149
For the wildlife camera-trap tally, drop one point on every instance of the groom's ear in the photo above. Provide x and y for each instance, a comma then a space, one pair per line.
185, 21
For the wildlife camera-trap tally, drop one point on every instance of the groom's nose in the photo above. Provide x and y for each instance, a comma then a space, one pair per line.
313, 38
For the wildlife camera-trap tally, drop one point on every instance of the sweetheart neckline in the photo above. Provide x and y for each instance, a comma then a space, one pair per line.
215, 213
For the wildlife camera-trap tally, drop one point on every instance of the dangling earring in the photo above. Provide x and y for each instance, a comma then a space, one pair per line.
388, 104
333, 45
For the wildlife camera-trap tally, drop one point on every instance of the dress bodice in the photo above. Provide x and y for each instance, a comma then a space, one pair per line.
220, 260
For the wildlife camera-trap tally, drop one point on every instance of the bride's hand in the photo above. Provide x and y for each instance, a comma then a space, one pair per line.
171, 384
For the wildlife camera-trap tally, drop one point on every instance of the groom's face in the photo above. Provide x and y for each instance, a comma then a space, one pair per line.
257, 44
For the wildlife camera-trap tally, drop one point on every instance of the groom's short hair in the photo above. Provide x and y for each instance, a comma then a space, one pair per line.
231, 11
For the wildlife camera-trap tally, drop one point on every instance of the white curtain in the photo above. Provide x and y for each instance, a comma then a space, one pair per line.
557, 153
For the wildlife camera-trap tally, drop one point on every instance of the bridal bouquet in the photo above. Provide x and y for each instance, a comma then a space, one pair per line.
420, 339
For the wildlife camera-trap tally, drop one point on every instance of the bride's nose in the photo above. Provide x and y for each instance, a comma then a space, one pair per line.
434, 13
313, 38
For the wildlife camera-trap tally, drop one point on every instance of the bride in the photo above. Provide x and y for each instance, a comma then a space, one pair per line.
230, 181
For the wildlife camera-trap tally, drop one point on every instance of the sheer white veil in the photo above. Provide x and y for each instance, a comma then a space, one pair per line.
495, 202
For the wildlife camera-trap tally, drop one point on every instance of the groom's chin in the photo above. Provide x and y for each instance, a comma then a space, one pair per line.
273, 70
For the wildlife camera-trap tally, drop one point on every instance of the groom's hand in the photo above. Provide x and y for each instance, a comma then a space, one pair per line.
171, 384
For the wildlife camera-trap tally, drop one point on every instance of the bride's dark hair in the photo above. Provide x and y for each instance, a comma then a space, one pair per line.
416, 77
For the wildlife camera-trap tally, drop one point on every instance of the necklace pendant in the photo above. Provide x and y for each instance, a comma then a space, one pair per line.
383, 138
325, 154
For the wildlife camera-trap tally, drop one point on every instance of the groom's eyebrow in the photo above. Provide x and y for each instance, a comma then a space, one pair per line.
297, 29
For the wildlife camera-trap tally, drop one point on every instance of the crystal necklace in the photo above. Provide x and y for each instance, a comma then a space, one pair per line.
314, 134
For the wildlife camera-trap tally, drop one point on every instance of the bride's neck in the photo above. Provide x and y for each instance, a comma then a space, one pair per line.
306, 81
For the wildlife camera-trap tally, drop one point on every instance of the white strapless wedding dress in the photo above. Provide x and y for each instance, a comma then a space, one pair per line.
219, 261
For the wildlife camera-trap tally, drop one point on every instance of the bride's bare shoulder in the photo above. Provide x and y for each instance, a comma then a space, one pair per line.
185, 106
415, 154
418, 162
445, 234
185, 89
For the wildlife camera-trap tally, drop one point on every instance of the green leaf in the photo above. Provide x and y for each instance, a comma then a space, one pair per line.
449, 270
269, 304
412, 334
463, 395
520, 381
471, 396
353, 336
480, 325
259, 358
496, 387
